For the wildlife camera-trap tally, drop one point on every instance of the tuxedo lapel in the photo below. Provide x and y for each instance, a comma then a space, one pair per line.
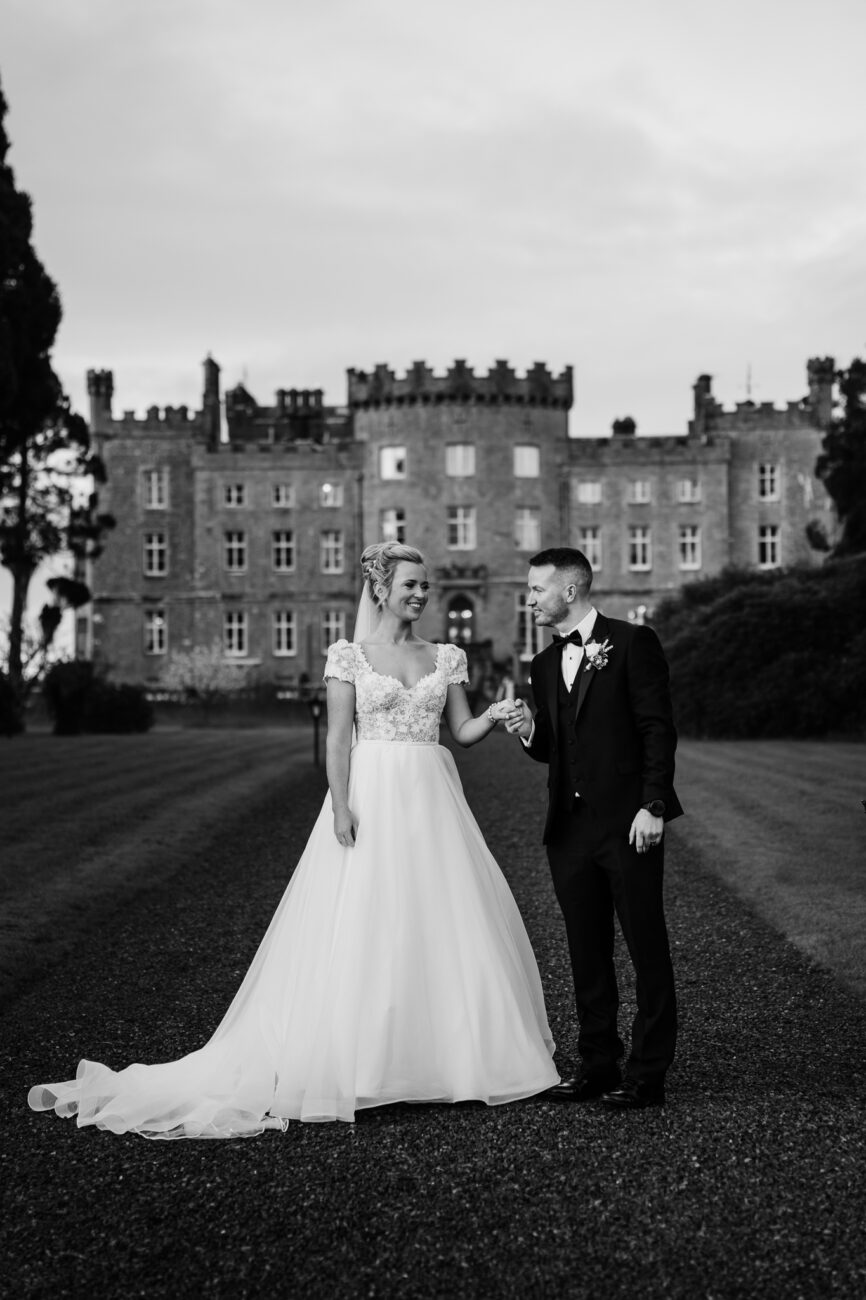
551, 682
587, 672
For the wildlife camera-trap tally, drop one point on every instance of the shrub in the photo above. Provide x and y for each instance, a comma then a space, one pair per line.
118, 707
781, 654
66, 688
11, 723
79, 700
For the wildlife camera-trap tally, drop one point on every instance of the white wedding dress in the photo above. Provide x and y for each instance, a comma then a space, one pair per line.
397, 970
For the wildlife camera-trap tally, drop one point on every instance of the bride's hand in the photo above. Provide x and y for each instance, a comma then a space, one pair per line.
346, 827
520, 722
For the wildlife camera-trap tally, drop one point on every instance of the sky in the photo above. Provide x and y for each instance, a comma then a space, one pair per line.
646, 190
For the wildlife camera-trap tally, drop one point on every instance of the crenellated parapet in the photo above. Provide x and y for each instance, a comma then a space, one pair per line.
811, 412
500, 386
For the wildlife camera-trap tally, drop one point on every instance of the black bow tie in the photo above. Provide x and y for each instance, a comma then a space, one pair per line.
573, 638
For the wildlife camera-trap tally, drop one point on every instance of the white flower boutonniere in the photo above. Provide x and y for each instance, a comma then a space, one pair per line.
597, 654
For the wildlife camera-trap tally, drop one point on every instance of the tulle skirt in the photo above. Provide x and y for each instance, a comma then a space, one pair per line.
396, 970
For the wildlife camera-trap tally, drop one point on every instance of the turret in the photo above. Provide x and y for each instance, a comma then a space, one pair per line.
100, 389
210, 402
822, 373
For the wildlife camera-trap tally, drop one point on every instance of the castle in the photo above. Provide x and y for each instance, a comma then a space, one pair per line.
244, 523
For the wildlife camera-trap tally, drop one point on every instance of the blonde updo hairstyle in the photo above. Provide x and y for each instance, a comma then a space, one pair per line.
379, 563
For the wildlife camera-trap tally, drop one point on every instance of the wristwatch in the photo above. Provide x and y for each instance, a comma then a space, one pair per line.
655, 808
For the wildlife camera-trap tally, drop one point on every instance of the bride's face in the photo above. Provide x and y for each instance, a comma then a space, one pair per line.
409, 592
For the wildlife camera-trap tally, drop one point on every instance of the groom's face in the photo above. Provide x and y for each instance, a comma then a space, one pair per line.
548, 596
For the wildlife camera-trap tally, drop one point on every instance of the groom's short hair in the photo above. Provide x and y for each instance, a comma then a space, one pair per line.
568, 560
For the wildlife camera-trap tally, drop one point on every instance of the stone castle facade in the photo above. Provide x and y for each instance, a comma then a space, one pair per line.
243, 523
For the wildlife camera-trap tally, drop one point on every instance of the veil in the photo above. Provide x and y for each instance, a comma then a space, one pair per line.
367, 617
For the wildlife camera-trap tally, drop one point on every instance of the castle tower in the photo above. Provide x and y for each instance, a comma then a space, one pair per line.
100, 389
210, 402
821, 372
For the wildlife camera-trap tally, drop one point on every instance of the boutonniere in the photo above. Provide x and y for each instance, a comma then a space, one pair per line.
598, 653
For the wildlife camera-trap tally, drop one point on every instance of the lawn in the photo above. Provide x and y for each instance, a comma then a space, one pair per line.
88, 821
782, 822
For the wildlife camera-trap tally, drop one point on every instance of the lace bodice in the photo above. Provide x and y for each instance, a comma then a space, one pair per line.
385, 709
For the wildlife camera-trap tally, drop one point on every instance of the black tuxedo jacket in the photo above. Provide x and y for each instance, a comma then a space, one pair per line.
623, 723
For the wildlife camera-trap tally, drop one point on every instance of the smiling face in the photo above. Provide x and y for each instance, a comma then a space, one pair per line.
409, 592
553, 597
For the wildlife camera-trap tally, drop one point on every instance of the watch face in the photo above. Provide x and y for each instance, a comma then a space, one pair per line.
656, 808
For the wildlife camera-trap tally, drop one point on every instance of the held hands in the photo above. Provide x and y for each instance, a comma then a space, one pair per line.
503, 711
346, 827
520, 721
646, 831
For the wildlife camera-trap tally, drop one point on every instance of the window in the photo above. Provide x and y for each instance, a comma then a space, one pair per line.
768, 546
461, 528
392, 525
461, 620
589, 541
639, 548
589, 492
530, 638
527, 460
235, 633
392, 462
690, 546
331, 495
155, 632
640, 492
283, 550
460, 459
527, 528
284, 496
235, 552
155, 555
333, 627
156, 489
234, 495
331, 551
285, 639
688, 490
768, 482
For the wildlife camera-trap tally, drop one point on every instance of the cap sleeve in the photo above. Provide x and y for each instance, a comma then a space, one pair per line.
456, 666
340, 662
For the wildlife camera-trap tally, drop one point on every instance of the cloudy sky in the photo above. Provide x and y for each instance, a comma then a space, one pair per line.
644, 189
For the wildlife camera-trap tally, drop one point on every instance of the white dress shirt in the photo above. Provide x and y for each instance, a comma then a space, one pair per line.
572, 655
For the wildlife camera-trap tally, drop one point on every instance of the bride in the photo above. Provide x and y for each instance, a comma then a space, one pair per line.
396, 967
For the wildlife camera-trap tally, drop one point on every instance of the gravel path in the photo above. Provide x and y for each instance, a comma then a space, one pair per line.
749, 1183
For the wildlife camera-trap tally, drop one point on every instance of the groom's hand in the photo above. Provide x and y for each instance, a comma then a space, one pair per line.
520, 724
646, 831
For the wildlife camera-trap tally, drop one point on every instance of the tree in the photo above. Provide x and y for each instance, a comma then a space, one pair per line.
48, 476
203, 673
842, 463
30, 312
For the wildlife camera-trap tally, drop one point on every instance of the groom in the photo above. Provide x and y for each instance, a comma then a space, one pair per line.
604, 726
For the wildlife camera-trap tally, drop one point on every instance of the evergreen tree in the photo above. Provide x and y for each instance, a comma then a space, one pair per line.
842, 462
48, 503
30, 392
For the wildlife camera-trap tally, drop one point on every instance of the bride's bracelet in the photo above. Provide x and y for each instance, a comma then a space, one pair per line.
490, 715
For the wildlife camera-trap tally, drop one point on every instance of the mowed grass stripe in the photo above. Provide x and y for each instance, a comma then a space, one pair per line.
836, 770
782, 823
59, 883
73, 769
83, 781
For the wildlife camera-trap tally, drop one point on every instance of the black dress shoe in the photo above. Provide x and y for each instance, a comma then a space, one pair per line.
634, 1094
585, 1086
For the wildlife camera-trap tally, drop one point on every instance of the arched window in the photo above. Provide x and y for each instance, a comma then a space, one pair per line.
461, 620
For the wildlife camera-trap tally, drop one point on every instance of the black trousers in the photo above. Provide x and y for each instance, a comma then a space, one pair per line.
596, 875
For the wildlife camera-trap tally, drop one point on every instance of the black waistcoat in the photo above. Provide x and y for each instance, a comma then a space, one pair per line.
569, 760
